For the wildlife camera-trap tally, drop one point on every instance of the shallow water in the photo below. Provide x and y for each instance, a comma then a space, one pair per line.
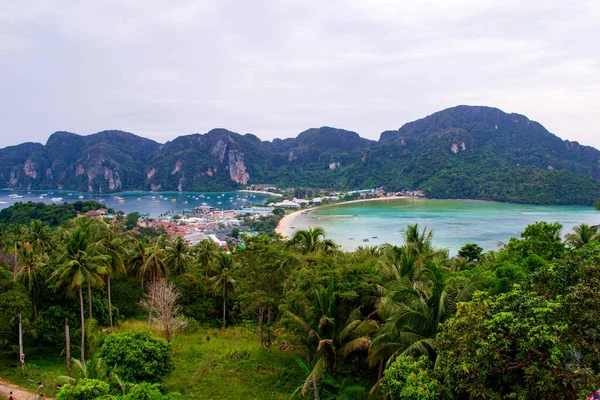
153, 203
454, 222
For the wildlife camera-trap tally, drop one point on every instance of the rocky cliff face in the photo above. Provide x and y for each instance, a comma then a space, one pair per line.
453, 148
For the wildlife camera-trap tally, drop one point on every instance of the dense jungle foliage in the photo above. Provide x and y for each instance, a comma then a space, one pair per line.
151, 317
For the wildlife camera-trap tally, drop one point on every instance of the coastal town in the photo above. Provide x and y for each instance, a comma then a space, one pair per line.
225, 227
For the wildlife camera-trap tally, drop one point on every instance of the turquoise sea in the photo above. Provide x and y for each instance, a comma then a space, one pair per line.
153, 203
454, 222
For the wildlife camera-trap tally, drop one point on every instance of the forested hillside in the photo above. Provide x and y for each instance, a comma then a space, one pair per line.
461, 152
102, 311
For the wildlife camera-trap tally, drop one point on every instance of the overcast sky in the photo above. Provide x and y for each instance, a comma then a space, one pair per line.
161, 69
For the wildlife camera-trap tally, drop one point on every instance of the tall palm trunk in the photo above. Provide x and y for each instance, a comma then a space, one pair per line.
16, 262
68, 346
21, 354
90, 300
35, 315
109, 302
82, 325
151, 299
224, 312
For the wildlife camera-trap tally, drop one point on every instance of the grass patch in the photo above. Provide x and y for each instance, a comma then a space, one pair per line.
39, 367
209, 364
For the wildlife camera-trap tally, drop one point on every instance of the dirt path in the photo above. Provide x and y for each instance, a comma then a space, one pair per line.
18, 393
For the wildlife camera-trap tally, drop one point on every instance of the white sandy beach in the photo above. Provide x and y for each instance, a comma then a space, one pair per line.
284, 226
260, 191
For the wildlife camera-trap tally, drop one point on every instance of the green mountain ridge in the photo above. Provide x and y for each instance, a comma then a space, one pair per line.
462, 152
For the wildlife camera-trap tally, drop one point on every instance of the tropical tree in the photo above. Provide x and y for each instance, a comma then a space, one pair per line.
206, 253
114, 246
154, 266
16, 237
311, 240
38, 235
80, 264
420, 240
582, 235
414, 310
31, 272
178, 256
223, 281
323, 335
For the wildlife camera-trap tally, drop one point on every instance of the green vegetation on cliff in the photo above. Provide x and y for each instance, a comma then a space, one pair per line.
461, 152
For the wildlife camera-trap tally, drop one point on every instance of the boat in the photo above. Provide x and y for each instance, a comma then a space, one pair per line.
218, 202
185, 202
156, 202
80, 197
15, 196
121, 201
139, 198
56, 199
365, 239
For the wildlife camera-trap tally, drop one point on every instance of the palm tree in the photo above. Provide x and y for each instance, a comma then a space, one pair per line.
80, 264
582, 235
113, 245
16, 236
154, 266
30, 273
326, 338
224, 280
311, 240
38, 235
414, 311
178, 256
420, 240
206, 253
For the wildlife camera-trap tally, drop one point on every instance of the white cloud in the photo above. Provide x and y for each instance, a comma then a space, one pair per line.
277, 68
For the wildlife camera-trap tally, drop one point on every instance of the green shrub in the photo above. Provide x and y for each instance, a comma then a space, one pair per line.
85, 389
137, 357
410, 378
147, 391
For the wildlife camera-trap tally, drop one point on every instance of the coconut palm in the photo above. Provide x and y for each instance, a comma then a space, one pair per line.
324, 337
311, 240
206, 253
223, 281
30, 273
414, 311
79, 264
16, 237
178, 256
154, 266
114, 246
420, 240
582, 235
38, 234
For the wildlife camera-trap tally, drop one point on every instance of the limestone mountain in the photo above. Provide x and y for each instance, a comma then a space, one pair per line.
461, 152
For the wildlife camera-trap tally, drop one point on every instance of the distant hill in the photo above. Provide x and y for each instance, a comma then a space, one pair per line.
461, 152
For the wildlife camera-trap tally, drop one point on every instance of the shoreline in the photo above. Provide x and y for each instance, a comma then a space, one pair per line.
285, 223
260, 191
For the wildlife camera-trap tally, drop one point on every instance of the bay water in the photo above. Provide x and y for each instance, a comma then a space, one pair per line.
453, 222
153, 203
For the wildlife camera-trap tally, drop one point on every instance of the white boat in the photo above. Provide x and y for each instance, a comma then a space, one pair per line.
56, 199
80, 197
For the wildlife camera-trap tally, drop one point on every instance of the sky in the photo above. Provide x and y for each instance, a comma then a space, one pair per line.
161, 69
